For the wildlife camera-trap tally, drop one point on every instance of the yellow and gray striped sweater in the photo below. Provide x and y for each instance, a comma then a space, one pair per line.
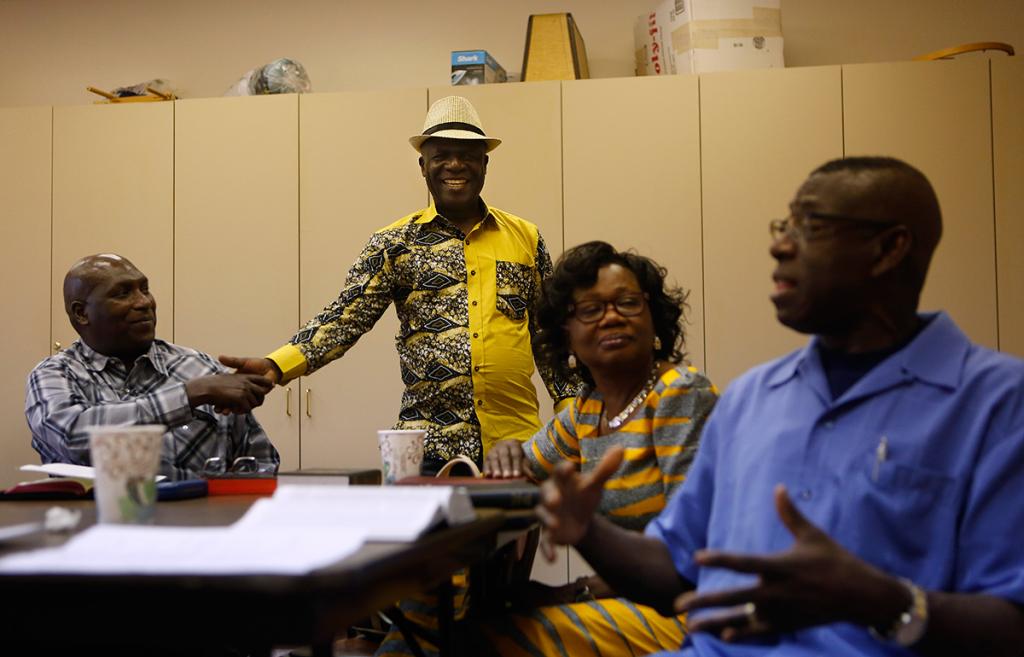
660, 441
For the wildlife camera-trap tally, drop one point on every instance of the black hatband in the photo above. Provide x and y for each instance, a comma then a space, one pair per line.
454, 125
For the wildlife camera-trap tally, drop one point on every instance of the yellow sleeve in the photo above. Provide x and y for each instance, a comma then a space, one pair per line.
290, 361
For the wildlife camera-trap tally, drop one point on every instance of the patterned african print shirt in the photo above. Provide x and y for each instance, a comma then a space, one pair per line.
465, 340
79, 388
660, 440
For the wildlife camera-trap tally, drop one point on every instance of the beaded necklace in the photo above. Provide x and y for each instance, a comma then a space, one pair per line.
652, 381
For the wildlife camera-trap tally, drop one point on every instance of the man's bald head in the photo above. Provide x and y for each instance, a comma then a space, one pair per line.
88, 272
109, 304
854, 252
890, 190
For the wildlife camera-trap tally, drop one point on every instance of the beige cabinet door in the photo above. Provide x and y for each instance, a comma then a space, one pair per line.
936, 116
762, 132
632, 177
236, 237
113, 192
358, 174
1008, 153
25, 262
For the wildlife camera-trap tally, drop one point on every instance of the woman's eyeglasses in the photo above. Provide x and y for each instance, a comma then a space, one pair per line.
627, 305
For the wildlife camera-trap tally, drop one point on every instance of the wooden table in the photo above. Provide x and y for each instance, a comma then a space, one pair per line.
197, 615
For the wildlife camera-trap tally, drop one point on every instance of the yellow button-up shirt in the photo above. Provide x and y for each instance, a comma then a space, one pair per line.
465, 342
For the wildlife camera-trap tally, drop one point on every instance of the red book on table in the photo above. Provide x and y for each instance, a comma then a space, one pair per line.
241, 485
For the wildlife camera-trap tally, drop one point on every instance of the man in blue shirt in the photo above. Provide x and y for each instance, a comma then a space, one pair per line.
861, 496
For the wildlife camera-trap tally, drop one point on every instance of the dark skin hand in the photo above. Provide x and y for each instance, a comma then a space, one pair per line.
816, 582
228, 393
569, 500
813, 583
631, 564
536, 594
260, 366
504, 460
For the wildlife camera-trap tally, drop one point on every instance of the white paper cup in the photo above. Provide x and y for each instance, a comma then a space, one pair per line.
401, 451
126, 460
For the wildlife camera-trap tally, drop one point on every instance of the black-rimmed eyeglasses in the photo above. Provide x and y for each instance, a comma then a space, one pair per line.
627, 305
814, 225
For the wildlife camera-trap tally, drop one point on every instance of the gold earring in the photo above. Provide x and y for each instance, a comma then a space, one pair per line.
572, 361
657, 343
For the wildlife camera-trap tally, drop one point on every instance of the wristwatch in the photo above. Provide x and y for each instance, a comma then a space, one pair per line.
909, 627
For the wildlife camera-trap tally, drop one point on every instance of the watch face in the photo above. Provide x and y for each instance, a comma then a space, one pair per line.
914, 621
911, 633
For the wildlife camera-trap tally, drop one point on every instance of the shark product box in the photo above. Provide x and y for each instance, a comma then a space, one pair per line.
475, 67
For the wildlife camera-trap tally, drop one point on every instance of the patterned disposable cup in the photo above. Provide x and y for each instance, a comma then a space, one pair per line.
126, 460
401, 451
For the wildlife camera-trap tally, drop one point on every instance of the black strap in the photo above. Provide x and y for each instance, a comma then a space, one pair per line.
454, 125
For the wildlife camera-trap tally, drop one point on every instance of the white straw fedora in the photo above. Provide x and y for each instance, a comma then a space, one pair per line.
453, 117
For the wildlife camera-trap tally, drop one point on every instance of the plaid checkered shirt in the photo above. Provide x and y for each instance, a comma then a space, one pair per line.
80, 388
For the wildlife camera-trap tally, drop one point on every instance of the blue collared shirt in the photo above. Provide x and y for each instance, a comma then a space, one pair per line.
943, 506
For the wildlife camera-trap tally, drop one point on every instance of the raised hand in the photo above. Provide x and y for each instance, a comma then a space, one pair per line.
504, 460
814, 582
261, 366
568, 501
228, 393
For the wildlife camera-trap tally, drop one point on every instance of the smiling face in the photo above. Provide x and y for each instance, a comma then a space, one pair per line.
823, 284
454, 170
614, 342
116, 313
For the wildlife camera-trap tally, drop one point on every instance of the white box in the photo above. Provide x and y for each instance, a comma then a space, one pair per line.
653, 56
701, 36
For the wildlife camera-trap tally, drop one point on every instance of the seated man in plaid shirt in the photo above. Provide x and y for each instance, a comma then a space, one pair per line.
118, 373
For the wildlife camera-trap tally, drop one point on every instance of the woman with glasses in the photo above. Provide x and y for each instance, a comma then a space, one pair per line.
608, 317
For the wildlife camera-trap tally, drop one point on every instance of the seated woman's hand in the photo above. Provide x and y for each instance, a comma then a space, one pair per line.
533, 595
504, 460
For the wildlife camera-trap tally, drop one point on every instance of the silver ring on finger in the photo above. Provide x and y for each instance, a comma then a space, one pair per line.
750, 611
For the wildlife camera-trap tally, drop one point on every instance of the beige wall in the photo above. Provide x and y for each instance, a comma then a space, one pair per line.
52, 49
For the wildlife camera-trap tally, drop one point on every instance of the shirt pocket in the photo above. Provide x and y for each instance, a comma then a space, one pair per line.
916, 486
515, 285
905, 511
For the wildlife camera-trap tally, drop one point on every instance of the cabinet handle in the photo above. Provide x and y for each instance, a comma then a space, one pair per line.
288, 401
57, 347
309, 399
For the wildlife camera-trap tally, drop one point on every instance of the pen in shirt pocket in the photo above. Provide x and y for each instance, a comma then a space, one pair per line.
881, 455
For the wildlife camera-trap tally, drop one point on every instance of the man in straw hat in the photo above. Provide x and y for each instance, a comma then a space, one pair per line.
462, 276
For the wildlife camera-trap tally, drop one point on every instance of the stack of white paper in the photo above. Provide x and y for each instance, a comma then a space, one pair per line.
389, 513
129, 549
